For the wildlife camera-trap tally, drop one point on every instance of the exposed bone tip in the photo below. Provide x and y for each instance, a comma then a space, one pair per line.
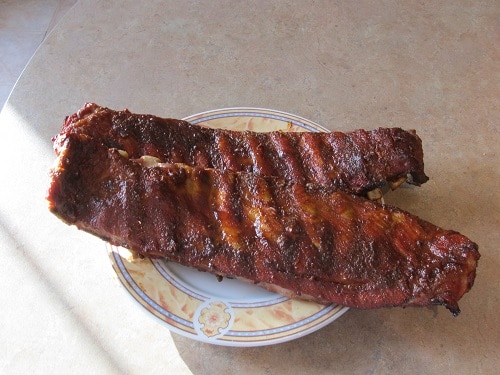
123, 153
395, 184
375, 194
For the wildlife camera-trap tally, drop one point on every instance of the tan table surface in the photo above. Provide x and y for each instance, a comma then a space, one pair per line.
431, 66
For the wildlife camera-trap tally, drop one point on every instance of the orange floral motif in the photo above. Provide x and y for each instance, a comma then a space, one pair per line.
214, 318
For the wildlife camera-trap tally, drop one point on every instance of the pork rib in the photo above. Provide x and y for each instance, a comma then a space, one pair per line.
356, 162
308, 241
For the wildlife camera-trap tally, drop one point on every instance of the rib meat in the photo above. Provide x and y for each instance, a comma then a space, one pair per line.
356, 162
301, 239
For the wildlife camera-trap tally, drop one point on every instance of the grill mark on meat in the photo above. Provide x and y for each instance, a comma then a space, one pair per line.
349, 161
288, 157
336, 142
351, 251
313, 158
229, 159
258, 152
228, 209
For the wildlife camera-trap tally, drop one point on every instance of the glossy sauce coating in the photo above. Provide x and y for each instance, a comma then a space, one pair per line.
310, 241
355, 162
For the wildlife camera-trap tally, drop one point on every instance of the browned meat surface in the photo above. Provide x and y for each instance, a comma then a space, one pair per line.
355, 162
315, 243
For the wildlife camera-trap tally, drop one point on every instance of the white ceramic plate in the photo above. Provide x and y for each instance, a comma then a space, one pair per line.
233, 313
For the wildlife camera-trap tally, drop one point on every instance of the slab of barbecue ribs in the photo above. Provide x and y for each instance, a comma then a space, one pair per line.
301, 239
356, 162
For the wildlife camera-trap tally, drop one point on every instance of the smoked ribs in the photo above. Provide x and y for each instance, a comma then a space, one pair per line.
305, 240
356, 162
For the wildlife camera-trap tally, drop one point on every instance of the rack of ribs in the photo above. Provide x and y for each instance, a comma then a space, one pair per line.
356, 162
302, 240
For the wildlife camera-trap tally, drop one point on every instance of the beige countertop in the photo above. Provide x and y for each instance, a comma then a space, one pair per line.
430, 66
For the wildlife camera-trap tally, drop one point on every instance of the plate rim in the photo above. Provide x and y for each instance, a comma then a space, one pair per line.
332, 314
257, 110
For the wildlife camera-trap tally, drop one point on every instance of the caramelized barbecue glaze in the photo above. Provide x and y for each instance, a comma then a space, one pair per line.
300, 238
355, 162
